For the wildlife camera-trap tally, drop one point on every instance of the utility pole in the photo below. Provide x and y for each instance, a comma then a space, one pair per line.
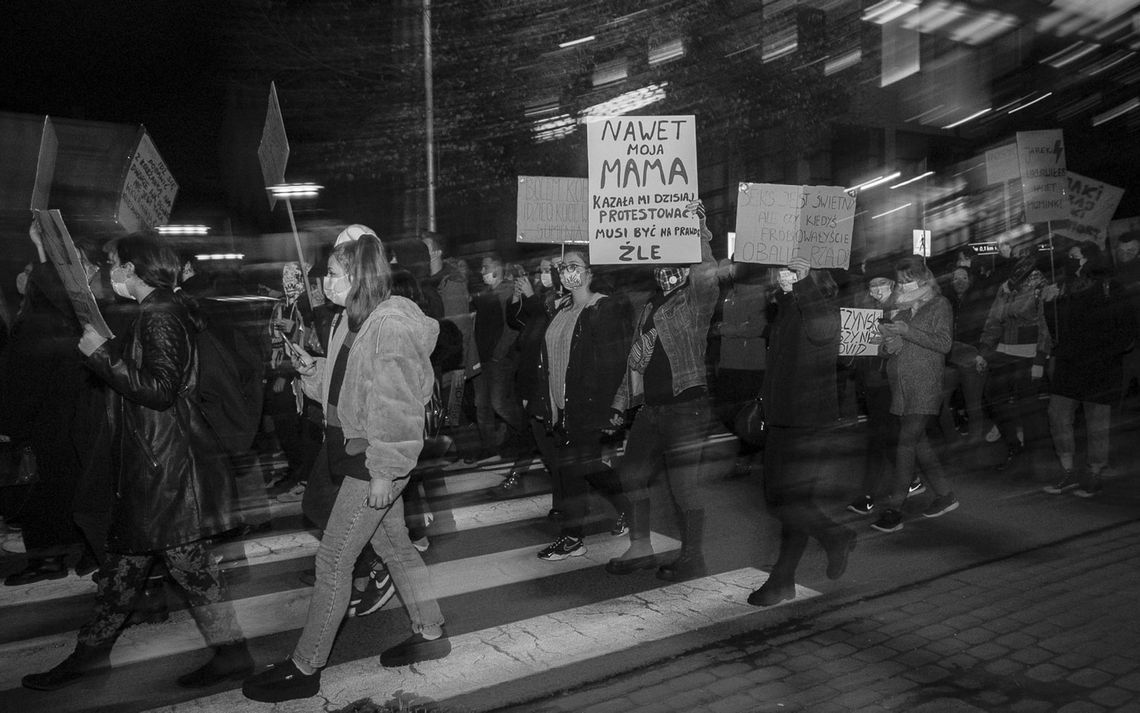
429, 117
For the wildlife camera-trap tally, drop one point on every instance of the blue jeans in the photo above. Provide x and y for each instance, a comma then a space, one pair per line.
666, 438
1062, 411
351, 525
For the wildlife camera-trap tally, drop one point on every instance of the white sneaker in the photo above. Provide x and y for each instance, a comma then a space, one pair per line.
14, 543
292, 495
994, 435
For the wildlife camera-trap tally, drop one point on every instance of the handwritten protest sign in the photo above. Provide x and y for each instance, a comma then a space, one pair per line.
1002, 165
1091, 206
1041, 156
775, 223
273, 151
45, 166
859, 333
552, 210
61, 251
643, 172
148, 189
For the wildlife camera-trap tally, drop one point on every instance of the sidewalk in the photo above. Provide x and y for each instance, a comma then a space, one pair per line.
1051, 629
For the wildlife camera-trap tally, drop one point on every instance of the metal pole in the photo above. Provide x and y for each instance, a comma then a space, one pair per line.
300, 252
429, 117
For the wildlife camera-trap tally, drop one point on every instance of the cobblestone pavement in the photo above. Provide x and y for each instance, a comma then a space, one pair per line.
1054, 629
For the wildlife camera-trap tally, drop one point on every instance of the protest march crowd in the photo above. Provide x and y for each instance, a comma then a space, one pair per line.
612, 377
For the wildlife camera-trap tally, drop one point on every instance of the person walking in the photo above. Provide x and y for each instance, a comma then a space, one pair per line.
374, 386
917, 336
666, 370
800, 402
580, 367
174, 487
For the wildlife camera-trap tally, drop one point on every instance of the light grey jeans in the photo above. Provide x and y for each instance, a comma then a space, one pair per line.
352, 524
1062, 412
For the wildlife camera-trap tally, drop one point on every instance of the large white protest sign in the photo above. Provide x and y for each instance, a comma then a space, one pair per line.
1091, 206
273, 151
148, 189
643, 173
776, 222
552, 210
1041, 157
859, 331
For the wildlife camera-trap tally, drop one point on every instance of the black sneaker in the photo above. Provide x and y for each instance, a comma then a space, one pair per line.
889, 521
862, 505
415, 649
1067, 482
509, 488
565, 546
1012, 456
620, 527
941, 505
281, 682
378, 589
917, 487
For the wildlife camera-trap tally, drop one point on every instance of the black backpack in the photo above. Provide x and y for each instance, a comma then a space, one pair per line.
230, 388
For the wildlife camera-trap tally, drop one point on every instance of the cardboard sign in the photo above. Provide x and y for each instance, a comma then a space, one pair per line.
273, 151
643, 174
60, 249
45, 166
1091, 206
553, 210
148, 189
775, 223
921, 240
1041, 157
1002, 165
859, 335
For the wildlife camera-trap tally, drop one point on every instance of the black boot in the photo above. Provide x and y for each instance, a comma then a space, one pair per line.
637, 517
230, 662
781, 584
691, 562
83, 662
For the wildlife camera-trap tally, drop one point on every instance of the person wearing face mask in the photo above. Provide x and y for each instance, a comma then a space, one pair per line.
529, 311
800, 400
917, 339
494, 382
374, 384
1094, 327
969, 304
581, 363
1012, 351
666, 372
174, 487
875, 392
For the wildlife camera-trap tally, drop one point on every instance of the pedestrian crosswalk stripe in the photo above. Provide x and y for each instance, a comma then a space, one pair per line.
267, 614
541, 644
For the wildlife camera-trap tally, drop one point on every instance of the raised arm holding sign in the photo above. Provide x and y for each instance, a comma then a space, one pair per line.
61, 251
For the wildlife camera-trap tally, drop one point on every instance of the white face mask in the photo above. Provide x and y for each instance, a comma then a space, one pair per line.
336, 289
546, 280
22, 283
490, 278
120, 287
908, 286
573, 277
786, 278
880, 293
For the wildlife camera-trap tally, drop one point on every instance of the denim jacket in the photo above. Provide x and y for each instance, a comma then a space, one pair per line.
682, 324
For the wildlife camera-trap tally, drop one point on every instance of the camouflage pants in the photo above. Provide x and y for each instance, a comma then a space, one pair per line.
123, 577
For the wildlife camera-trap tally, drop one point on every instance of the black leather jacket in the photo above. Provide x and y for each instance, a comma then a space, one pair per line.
173, 484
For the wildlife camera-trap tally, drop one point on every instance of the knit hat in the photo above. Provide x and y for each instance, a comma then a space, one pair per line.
352, 233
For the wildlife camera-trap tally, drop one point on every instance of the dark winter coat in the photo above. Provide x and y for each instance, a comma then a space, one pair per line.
1094, 326
803, 348
173, 484
595, 370
915, 371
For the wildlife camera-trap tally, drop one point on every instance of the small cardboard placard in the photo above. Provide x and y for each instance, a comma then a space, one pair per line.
859, 331
148, 189
552, 210
273, 150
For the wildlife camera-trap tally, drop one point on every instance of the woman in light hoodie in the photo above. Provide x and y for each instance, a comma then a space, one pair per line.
374, 386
